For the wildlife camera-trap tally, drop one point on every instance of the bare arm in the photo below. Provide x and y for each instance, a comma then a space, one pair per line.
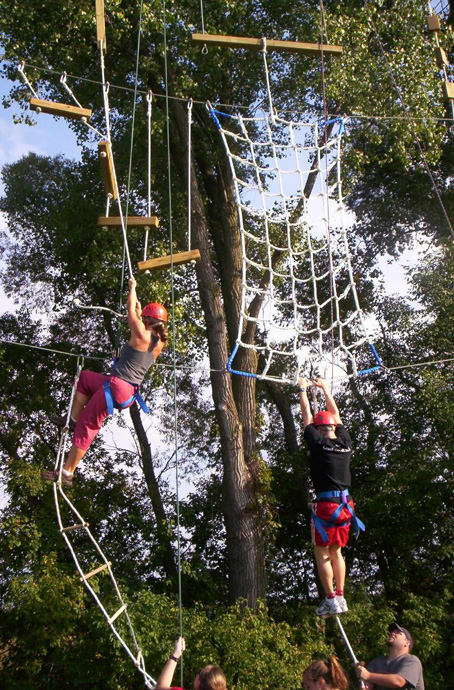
138, 330
386, 680
306, 413
165, 679
330, 404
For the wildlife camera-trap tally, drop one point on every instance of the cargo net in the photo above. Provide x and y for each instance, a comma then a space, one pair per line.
299, 306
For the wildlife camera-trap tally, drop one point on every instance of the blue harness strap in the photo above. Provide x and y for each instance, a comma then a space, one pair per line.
320, 524
111, 403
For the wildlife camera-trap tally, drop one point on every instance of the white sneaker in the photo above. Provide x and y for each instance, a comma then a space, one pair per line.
328, 608
342, 604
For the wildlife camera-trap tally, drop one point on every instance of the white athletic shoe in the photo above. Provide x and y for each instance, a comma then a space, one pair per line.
342, 604
328, 608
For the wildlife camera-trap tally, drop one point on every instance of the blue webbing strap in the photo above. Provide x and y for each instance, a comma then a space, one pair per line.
111, 404
320, 523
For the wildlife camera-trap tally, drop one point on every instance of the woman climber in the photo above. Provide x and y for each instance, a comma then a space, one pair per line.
325, 675
96, 394
209, 678
330, 449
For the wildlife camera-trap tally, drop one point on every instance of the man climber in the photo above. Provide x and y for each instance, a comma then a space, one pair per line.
330, 449
96, 394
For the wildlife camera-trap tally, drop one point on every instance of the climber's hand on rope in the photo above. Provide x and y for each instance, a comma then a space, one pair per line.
320, 383
179, 647
132, 283
362, 672
303, 382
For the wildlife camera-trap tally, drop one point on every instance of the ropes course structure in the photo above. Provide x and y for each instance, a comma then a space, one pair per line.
296, 261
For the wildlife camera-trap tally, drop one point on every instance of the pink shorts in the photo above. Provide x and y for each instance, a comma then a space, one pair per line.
337, 534
95, 411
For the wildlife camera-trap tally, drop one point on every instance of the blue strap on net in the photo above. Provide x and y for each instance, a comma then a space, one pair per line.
235, 371
320, 524
111, 403
377, 359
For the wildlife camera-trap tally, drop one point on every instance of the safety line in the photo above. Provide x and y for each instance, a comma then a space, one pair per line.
232, 105
175, 405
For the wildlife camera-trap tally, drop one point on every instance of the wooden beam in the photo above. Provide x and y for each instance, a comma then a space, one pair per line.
95, 571
448, 90
133, 222
105, 159
101, 25
256, 44
72, 112
433, 22
163, 262
440, 57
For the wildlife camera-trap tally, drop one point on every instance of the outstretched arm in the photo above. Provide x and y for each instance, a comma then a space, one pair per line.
386, 680
134, 311
306, 413
330, 404
165, 679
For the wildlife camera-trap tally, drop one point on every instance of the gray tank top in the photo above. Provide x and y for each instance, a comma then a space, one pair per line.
132, 365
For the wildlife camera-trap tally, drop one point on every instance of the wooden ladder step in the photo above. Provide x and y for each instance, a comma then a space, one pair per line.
73, 527
256, 44
433, 22
164, 262
448, 90
118, 613
105, 160
440, 57
101, 24
95, 572
73, 112
133, 221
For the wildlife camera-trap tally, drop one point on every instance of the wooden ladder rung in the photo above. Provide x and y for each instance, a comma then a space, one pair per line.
433, 22
73, 112
448, 90
256, 44
101, 24
95, 571
440, 57
105, 159
118, 613
163, 262
73, 527
132, 222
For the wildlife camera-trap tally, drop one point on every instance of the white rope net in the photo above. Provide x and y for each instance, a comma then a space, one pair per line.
296, 262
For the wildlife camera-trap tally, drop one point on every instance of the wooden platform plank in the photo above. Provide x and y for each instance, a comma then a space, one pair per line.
133, 221
440, 57
105, 159
72, 112
448, 90
433, 22
101, 24
164, 262
118, 613
95, 571
73, 527
256, 44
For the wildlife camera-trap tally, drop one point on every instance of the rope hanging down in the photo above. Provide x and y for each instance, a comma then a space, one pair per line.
294, 265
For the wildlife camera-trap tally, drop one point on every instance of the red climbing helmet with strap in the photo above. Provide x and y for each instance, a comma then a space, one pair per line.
324, 418
155, 311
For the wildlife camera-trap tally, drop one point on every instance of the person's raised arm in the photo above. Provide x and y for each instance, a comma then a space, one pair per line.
165, 679
385, 680
330, 403
306, 413
134, 311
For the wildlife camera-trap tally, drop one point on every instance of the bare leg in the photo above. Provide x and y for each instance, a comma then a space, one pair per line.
79, 402
74, 457
324, 567
338, 564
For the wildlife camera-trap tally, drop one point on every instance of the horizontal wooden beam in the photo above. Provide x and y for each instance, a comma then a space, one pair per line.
105, 159
101, 24
72, 112
440, 57
132, 221
163, 262
256, 44
96, 571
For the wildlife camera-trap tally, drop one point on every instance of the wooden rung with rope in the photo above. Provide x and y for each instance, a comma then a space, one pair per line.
72, 112
164, 262
105, 160
440, 57
433, 22
95, 571
100, 24
131, 221
73, 527
257, 44
118, 613
448, 90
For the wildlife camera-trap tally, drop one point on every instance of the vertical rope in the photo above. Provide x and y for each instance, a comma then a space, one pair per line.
149, 113
177, 477
189, 172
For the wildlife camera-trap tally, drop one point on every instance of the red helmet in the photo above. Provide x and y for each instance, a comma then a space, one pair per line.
324, 418
155, 311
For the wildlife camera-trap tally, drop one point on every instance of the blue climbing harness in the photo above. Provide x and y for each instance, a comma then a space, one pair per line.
111, 403
320, 524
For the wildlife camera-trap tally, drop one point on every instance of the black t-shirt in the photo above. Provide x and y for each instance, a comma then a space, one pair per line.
330, 459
